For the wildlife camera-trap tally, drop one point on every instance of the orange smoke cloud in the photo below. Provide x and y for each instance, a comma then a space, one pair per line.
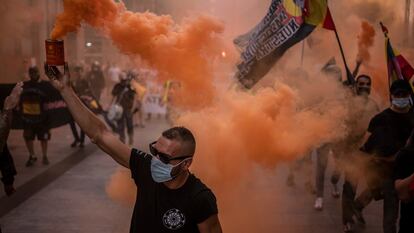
241, 133
121, 188
365, 41
96, 13
179, 52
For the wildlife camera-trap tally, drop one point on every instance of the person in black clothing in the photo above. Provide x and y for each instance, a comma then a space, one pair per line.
82, 87
170, 198
33, 115
404, 184
124, 95
97, 80
8, 170
7, 167
389, 131
363, 110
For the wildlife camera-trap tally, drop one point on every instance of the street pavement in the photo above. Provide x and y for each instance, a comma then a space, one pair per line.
75, 200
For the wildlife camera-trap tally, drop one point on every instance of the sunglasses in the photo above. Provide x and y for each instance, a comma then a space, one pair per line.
165, 158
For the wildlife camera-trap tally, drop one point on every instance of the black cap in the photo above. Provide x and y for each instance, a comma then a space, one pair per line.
399, 86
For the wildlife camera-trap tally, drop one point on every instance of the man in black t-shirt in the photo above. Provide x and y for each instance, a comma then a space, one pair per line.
389, 131
404, 184
170, 198
161, 205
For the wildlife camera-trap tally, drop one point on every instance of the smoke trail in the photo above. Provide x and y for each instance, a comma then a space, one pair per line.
365, 41
16, 17
96, 13
121, 188
179, 52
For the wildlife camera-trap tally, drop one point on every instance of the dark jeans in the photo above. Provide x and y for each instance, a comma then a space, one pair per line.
381, 185
349, 204
321, 165
391, 207
125, 122
7, 168
78, 137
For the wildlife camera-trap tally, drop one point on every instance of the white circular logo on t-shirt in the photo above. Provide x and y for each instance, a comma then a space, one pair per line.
173, 219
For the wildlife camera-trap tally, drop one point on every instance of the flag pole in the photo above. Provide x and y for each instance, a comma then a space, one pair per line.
303, 53
385, 31
330, 24
350, 78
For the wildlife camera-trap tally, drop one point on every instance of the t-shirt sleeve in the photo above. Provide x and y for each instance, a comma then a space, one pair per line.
140, 165
205, 205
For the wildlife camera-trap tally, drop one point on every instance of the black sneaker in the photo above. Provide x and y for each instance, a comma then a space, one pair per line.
31, 161
349, 227
74, 144
358, 214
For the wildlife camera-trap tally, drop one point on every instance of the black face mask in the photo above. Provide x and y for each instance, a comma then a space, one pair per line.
363, 91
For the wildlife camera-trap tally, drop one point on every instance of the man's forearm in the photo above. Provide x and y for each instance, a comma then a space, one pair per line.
5, 124
88, 121
404, 188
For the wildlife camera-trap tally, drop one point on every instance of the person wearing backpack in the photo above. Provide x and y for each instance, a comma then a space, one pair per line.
34, 117
124, 96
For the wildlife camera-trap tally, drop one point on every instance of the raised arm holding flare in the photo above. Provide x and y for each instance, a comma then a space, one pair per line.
171, 198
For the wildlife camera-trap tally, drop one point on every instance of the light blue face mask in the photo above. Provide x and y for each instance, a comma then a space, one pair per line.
401, 102
161, 172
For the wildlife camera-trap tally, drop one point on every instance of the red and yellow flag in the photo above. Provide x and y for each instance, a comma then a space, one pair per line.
398, 66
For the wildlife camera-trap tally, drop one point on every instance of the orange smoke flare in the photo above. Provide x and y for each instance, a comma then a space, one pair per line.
179, 52
365, 41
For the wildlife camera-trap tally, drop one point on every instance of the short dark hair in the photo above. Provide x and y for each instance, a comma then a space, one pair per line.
183, 135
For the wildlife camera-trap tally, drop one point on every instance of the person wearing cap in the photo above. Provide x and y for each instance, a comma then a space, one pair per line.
388, 132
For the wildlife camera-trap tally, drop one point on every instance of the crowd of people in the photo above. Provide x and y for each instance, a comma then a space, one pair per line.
378, 149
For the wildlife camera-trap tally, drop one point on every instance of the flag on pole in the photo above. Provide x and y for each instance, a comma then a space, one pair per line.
328, 23
398, 66
286, 23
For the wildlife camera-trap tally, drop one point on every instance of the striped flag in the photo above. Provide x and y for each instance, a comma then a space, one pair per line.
285, 24
398, 66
